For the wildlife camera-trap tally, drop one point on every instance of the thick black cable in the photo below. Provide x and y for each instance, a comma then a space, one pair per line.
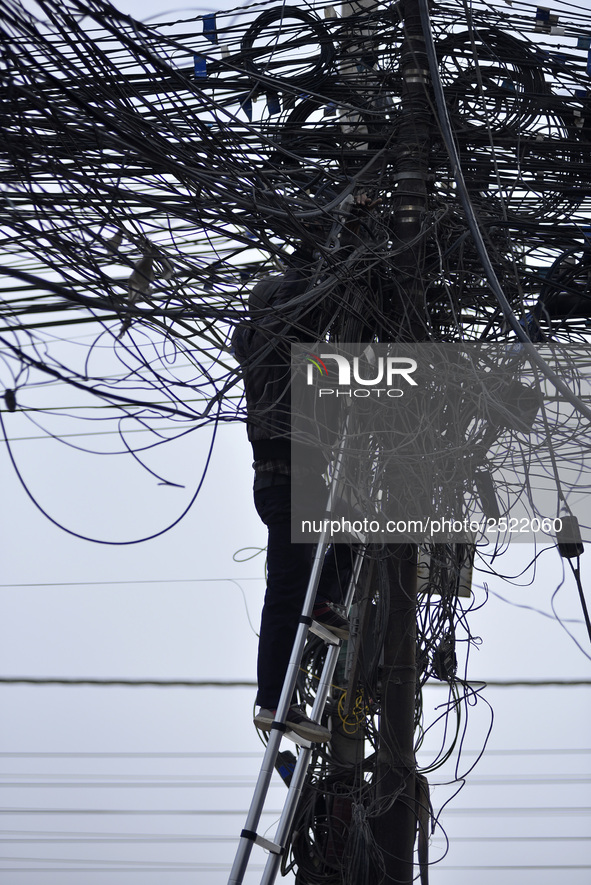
99, 540
576, 570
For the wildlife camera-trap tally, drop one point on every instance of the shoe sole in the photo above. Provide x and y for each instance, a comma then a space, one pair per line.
320, 736
263, 722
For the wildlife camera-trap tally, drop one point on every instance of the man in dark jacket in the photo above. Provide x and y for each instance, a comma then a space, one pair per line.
283, 310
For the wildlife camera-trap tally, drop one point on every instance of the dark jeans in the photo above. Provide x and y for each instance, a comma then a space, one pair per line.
288, 571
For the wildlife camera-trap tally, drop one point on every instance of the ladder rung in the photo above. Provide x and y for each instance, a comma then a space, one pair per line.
273, 847
324, 633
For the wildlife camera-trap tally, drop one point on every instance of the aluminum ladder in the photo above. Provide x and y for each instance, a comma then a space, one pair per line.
249, 835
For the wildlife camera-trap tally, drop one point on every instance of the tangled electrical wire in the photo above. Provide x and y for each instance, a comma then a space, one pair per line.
333, 837
191, 156
150, 175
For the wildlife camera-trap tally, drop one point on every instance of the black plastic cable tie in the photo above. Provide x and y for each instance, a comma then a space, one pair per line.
279, 726
249, 834
305, 620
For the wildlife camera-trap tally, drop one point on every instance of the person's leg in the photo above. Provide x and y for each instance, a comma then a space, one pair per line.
332, 590
336, 574
288, 572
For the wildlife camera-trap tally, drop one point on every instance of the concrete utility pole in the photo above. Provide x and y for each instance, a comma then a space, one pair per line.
395, 825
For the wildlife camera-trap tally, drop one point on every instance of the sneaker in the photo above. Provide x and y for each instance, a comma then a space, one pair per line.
330, 618
296, 721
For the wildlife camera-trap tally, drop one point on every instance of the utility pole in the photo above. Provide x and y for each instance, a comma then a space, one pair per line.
395, 824
396, 821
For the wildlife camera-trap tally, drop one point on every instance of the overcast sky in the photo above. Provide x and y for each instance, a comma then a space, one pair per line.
182, 607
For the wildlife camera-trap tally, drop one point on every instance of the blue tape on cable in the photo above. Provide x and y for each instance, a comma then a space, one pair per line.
273, 104
589, 63
210, 30
200, 66
584, 43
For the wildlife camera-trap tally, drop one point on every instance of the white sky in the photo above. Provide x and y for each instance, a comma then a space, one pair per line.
176, 607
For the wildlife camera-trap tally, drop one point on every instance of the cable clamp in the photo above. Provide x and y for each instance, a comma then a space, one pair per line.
400, 176
415, 75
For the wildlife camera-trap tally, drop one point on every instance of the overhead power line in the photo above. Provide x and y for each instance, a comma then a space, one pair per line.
250, 683
520, 751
